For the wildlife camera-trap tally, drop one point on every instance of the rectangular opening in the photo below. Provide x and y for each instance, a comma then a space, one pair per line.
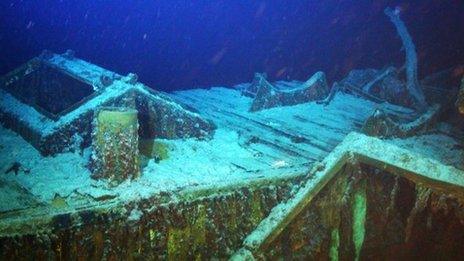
49, 90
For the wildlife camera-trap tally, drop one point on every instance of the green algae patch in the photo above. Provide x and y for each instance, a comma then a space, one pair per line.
359, 217
178, 243
153, 149
256, 212
334, 244
199, 227
152, 236
231, 217
59, 202
183, 242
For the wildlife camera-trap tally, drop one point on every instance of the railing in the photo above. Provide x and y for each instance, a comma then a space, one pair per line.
356, 148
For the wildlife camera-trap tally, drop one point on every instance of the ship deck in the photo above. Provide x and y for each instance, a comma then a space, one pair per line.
248, 149
291, 135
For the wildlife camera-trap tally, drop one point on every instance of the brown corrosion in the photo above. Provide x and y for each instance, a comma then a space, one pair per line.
460, 101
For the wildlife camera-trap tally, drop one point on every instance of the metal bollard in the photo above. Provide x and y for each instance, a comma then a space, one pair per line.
115, 144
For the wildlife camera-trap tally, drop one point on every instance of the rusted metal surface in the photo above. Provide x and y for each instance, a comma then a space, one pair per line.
403, 220
267, 96
380, 124
446, 181
116, 145
206, 227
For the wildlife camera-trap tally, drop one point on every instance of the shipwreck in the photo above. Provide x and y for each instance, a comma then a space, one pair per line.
97, 165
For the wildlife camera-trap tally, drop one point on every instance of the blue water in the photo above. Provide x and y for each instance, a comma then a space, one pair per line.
182, 44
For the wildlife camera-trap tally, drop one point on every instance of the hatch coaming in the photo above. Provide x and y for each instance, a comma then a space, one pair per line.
52, 98
48, 89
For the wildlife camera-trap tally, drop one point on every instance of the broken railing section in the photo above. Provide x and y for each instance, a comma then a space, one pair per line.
258, 80
412, 84
377, 155
380, 124
383, 85
383, 124
265, 95
386, 85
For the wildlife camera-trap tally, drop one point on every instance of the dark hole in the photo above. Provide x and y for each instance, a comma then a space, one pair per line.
149, 124
49, 90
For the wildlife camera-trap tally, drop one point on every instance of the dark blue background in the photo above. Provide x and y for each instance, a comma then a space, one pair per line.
180, 44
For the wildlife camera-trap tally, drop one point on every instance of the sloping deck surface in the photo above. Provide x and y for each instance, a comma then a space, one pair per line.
292, 135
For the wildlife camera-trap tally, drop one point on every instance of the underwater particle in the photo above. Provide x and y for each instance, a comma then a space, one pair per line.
15, 166
218, 56
280, 72
29, 25
279, 164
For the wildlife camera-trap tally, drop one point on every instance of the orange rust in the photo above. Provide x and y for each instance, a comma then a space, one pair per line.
458, 71
98, 243
298, 245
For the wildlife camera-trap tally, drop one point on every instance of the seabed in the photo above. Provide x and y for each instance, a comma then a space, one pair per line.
218, 180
